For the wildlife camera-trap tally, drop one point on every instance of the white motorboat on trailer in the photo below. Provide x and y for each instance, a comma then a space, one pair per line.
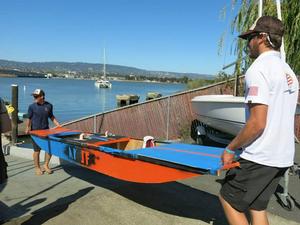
225, 113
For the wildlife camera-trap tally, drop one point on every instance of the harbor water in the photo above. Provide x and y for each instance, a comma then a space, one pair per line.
73, 99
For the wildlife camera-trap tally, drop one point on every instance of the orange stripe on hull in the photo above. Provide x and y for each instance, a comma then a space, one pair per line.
130, 169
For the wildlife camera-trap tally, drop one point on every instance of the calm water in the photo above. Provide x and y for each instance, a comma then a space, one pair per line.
73, 99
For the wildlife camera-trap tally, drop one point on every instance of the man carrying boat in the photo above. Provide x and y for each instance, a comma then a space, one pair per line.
38, 114
267, 138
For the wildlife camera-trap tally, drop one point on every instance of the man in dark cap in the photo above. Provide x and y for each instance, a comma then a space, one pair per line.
38, 114
267, 139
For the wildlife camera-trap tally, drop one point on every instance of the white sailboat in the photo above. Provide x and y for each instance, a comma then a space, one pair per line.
103, 82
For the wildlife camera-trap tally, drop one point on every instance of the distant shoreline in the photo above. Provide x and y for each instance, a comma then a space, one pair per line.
7, 75
145, 81
121, 80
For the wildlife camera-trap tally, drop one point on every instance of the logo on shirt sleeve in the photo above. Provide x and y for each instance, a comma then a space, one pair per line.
289, 79
253, 91
290, 82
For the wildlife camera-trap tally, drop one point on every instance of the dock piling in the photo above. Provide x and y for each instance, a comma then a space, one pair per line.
14, 114
127, 99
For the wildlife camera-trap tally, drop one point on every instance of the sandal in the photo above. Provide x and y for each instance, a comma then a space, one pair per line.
39, 172
48, 171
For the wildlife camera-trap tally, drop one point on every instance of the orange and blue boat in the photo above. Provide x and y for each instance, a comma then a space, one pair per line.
126, 159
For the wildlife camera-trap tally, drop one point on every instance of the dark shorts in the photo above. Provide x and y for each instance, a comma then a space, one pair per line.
251, 185
36, 148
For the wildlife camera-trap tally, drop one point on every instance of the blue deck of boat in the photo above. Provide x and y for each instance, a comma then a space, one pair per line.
194, 156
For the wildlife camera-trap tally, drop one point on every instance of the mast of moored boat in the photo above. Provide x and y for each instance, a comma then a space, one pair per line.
260, 8
104, 66
282, 52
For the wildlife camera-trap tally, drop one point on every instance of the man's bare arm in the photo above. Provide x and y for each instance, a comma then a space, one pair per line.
28, 126
54, 120
253, 128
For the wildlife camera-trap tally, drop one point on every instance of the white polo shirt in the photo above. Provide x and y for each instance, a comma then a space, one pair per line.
270, 81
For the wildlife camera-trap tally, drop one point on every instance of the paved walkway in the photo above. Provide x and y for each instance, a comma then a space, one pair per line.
74, 195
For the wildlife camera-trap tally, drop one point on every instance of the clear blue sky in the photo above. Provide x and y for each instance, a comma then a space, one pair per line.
166, 35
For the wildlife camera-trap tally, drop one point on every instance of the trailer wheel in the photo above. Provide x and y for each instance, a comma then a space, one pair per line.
200, 140
287, 203
290, 203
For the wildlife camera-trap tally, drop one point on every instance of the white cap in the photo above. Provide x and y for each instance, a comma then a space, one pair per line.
38, 92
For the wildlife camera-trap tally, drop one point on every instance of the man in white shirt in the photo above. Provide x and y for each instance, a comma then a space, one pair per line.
267, 138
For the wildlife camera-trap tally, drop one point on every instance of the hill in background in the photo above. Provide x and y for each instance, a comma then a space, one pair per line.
90, 69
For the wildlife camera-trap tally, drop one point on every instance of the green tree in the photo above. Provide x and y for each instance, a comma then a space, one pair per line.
221, 76
247, 11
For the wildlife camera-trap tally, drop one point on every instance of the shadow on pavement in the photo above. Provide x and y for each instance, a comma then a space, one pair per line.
22, 207
12, 163
55, 208
172, 198
21, 167
16, 210
2, 186
23, 171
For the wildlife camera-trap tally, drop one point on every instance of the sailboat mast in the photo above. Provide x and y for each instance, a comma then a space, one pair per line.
260, 8
104, 66
282, 51
278, 7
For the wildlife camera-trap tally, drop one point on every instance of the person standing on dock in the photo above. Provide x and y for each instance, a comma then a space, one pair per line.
38, 114
267, 139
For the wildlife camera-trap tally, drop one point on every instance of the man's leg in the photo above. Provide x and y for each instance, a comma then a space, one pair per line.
250, 187
259, 217
36, 160
46, 165
233, 216
258, 207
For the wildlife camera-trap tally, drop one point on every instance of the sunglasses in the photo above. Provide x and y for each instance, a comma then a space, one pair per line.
251, 36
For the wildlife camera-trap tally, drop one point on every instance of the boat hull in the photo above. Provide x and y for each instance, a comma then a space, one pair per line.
125, 158
222, 112
103, 84
128, 169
